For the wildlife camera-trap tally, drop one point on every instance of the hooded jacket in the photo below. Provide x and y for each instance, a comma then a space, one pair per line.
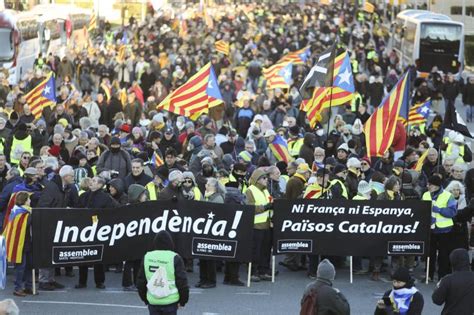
121, 197
456, 290
163, 241
307, 149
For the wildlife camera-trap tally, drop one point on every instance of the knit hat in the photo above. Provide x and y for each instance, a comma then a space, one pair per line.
134, 192
366, 159
326, 270
189, 175
435, 180
269, 133
115, 140
125, 128
353, 163
294, 130
402, 274
175, 176
303, 168
343, 147
189, 124
66, 170
339, 168
31, 171
207, 120
363, 187
163, 173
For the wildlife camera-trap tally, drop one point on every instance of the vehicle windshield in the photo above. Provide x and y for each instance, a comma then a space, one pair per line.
6, 48
440, 45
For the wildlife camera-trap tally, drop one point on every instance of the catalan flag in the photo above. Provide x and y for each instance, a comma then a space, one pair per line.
222, 47
298, 57
421, 161
279, 76
419, 113
279, 148
15, 234
196, 96
92, 22
337, 93
369, 7
121, 53
380, 128
312, 191
183, 28
156, 160
41, 96
107, 90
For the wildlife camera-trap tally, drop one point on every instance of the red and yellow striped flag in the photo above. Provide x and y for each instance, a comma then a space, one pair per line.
369, 7
15, 234
92, 22
298, 57
274, 76
196, 96
421, 161
223, 47
156, 160
380, 128
42, 95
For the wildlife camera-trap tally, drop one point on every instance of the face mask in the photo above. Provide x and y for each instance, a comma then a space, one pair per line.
114, 150
320, 132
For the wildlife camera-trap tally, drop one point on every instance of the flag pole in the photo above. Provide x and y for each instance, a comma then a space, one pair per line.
329, 118
407, 125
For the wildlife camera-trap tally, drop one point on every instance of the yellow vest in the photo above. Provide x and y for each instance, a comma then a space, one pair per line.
261, 199
2, 145
438, 219
233, 179
449, 152
24, 145
359, 197
197, 194
344, 189
356, 98
294, 147
151, 191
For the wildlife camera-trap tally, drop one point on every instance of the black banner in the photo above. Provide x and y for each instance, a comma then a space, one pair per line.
87, 236
351, 228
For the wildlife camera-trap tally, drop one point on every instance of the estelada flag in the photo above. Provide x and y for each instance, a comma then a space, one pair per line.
223, 47
298, 57
419, 113
380, 128
279, 148
15, 235
156, 160
42, 95
196, 96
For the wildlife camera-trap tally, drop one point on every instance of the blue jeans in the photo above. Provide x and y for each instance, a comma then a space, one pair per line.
469, 112
23, 273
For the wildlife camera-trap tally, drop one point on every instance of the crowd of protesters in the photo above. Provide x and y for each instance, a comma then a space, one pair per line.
95, 147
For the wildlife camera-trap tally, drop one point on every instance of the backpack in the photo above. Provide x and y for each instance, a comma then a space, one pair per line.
309, 305
159, 285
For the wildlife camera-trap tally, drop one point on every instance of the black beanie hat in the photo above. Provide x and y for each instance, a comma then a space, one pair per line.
435, 180
402, 274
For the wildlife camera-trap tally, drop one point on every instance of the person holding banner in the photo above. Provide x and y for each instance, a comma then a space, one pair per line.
443, 211
215, 193
258, 195
163, 265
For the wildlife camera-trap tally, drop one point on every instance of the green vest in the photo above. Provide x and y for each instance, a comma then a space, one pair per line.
359, 197
355, 66
2, 145
197, 194
161, 259
439, 221
356, 101
449, 152
151, 191
261, 199
26, 146
344, 189
294, 147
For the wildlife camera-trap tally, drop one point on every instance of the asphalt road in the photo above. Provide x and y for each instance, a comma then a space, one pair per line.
281, 297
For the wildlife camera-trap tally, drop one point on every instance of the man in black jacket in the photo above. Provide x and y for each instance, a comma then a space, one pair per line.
456, 290
328, 299
60, 192
137, 176
163, 245
95, 198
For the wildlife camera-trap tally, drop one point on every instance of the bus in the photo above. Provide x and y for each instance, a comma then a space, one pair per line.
52, 34
20, 43
74, 22
429, 39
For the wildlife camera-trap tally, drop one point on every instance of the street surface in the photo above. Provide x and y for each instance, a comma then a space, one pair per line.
281, 297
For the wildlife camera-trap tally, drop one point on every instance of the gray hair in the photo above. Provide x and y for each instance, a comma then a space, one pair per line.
51, 162
8, 307
217, 185
455, 184
459, 166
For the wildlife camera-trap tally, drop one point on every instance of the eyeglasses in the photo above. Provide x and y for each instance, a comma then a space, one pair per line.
189, 181
364, 164
26, 157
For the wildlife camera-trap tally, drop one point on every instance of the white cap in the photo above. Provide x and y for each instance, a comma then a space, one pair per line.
353, 162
